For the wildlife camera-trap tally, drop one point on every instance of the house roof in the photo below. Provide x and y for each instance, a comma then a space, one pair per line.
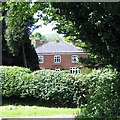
60, 47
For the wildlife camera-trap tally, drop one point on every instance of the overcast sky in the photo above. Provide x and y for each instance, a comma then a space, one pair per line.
45, 29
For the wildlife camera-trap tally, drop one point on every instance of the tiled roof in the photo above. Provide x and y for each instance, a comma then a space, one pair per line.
57, 47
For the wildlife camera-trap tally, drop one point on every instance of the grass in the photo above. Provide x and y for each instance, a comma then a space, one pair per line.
23, 111
24, 107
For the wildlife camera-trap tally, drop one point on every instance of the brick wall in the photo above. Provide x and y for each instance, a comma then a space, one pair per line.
66, 62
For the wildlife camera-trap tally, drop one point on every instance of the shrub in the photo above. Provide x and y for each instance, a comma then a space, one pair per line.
86, 70
14, 80
58, 87
49, 86
104, 94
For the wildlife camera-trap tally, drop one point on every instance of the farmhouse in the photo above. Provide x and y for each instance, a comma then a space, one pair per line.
59, 55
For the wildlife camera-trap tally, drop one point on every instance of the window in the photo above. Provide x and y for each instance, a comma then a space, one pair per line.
74, 58
57, 59
75, 70
57, 69
41, 59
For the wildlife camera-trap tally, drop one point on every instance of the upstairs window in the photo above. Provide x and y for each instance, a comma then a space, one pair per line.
74, 58
41, 59
57, 59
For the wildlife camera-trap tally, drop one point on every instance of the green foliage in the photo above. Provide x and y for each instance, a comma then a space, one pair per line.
103, 100
37, 35
17, 47
46, 85
86, 70
62, 89
65, 71
95, 24
31, 56
14, 80
17, 21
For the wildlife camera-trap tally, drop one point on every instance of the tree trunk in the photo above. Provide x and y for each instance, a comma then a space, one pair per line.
24, 57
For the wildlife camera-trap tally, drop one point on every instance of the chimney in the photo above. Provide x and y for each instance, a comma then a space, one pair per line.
38, 42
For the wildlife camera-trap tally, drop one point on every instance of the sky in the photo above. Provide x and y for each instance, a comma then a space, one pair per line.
45, 29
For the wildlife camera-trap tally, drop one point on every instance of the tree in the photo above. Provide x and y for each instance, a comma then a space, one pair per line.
35, 36
19, 24
19, 21
7, 57
17, 29
98, 26
95, 24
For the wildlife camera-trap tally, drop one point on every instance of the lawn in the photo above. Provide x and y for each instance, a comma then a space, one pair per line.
22, 111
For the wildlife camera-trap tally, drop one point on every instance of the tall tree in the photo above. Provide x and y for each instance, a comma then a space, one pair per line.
96, 24
19, 21
7, 58
17, 29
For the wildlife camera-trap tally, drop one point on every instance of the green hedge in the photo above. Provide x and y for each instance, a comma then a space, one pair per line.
14, 80
103, 100
65, 89
46, 85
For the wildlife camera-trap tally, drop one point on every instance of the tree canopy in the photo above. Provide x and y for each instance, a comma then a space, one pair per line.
95, 24
19, 21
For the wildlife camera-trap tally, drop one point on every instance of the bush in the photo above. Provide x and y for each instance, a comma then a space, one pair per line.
58, 87
14, 80
86, 70
103, 100
49, 86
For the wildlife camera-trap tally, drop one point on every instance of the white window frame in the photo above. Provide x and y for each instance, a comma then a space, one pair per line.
41, 59
75, 70
56, 59
57, 69
73, 57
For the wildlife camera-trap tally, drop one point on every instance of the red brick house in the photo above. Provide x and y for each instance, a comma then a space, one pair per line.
59, 55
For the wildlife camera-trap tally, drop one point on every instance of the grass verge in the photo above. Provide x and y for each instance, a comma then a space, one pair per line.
23, 111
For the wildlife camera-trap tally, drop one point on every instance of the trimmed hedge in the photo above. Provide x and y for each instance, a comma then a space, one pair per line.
14, 80
46, 85
64, 89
